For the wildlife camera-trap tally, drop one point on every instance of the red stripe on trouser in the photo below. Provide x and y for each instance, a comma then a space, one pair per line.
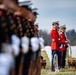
53, 61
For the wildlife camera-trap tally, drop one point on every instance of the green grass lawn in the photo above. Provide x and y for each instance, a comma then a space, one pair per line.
47, 70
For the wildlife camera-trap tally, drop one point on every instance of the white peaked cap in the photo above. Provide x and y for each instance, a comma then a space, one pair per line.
62, 26
35, 44
25, 44
24, 2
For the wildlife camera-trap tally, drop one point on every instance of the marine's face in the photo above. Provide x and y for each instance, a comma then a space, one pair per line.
63, 29
56, 26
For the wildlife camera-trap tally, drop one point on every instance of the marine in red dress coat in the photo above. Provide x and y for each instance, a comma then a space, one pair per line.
55, 42
64, 45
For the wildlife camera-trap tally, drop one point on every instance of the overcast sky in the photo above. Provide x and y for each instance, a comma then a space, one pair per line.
49, 11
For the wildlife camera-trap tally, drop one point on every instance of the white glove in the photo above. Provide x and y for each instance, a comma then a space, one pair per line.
41, 42
61, 46
41, 45
15, 40
6, 48
25, 44
15, 44
16, 49
35, 44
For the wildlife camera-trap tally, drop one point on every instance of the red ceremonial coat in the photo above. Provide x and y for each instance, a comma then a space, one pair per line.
63, 41
55, 39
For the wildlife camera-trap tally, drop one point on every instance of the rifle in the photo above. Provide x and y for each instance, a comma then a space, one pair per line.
69, 44
69, 56
56, 63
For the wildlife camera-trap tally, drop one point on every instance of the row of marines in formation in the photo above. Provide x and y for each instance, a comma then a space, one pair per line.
19, 39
